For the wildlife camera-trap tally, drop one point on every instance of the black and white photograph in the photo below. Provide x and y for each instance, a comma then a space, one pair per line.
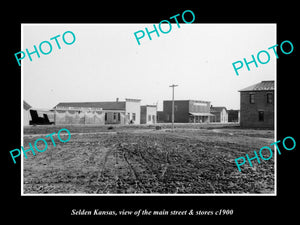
150, 113
109, 111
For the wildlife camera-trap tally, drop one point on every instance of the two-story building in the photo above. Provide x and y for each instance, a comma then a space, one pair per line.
187, 111
257, 105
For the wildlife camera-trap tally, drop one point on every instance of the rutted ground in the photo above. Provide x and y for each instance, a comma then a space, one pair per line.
194, 161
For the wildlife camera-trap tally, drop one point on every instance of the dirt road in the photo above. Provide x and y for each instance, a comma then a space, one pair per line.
186, 161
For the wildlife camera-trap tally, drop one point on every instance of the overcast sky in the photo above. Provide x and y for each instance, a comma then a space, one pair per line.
105, 62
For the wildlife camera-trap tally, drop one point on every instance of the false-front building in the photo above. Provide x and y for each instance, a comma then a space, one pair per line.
148, 114
187, 111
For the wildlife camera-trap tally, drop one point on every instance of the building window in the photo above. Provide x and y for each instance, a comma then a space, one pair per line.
251, 98
119, 116
105, 116
115, 116
260, 115
133, 116
269, 98
149, 117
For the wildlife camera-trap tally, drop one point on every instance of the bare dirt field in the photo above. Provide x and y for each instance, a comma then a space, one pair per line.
195, 159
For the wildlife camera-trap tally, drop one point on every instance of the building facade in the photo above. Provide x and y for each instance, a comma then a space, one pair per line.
133, 111
148, 114
110, 112
79, 116
257, 105
187, 111
220, 114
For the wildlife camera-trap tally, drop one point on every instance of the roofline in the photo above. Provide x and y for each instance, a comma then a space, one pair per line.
187, 100
82, 103
90, 109
149, 106
101, 110
40, 109
242, 90
221, 107
90, 102
255, 90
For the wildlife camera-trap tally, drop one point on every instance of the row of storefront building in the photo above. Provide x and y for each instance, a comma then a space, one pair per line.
129, 112
257, 110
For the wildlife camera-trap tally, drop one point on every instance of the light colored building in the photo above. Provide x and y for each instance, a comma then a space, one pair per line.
133, 111
26, 114
79, 116
110, 112
148, 114
220, 114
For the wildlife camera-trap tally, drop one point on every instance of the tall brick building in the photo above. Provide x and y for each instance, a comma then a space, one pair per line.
257, 105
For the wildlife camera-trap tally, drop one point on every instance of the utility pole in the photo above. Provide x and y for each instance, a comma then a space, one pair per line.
173, 86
